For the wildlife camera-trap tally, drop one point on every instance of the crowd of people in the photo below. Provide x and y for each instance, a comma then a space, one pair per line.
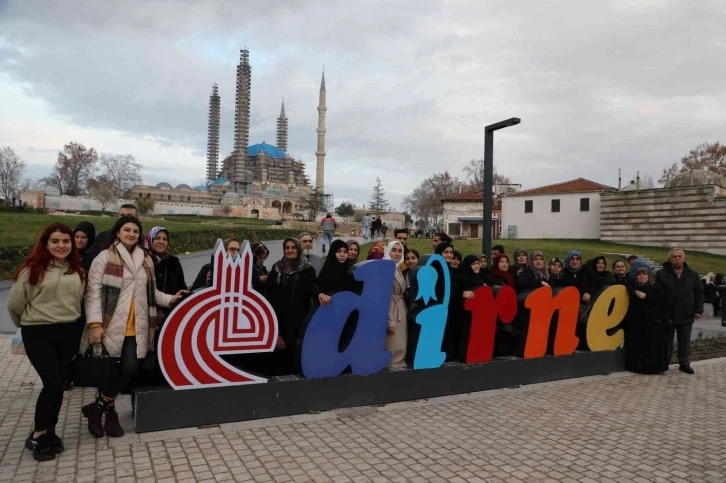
78, 289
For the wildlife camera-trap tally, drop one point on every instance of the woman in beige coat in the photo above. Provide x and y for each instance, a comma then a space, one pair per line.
121, 315
397, 337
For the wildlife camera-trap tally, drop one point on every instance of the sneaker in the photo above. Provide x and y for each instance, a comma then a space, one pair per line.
686, 368
56, 442
42, 447
113, 427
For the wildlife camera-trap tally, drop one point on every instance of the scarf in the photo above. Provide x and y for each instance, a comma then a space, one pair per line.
387, 251
571, 254
377, 250
350, 243
333, 274
506, 276
288, 267
540, 273
150, 238
111, 283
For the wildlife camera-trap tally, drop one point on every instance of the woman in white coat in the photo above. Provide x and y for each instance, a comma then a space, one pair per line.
121, 315
397, 337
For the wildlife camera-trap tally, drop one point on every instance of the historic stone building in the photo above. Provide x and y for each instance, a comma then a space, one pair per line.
260, 180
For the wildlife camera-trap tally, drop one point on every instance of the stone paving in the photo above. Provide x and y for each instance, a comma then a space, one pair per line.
622, 427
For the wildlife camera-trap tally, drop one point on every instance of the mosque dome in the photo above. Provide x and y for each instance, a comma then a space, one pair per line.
183, 187
201, 187
268, 149
164, 185
230, 194
220, 181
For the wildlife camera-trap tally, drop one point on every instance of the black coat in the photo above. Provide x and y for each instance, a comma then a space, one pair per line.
646, 332
682, 297
257, 272
201, 280
621, 280
292, 296
528, 280
600, 280
579, 280
169, 275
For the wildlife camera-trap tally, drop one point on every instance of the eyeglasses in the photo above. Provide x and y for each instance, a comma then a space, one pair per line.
230, 249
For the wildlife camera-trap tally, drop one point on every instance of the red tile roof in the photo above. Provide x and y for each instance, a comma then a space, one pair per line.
579, 185
475, 197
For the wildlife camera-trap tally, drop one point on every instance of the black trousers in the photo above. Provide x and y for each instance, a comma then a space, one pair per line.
50, 349
683, 334
129, 368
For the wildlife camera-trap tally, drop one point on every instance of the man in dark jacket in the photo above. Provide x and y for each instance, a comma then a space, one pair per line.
101, 238
682, 303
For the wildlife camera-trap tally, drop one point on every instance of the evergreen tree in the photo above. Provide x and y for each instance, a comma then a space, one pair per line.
378, 201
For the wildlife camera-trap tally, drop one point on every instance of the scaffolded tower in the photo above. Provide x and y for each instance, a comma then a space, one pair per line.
213, 134
320, 153
242, 116
282, 129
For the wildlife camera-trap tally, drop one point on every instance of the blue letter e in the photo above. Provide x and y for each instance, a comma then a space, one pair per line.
365, 354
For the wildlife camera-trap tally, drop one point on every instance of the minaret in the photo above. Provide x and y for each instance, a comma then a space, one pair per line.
242, 116
320, 153
213, 135
282, 129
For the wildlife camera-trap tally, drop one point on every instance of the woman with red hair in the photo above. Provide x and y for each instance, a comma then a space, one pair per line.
45, 301
499, 273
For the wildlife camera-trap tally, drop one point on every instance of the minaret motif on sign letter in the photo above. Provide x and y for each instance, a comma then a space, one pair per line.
213, 135
320, 153
282, 129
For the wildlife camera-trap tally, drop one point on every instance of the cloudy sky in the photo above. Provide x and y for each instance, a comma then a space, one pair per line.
411, 84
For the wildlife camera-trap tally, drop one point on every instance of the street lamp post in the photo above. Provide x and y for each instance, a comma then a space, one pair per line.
488, 175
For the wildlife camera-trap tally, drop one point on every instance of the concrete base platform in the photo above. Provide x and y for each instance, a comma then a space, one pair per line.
159, 408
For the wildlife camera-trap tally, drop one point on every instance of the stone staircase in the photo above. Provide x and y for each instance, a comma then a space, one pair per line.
654, 266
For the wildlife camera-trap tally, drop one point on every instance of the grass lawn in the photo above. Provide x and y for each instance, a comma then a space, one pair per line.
20, 229
698, 261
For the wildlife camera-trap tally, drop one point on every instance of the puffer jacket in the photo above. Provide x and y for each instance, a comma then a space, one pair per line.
133, 285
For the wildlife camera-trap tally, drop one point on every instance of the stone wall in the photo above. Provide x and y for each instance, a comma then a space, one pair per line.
691, 217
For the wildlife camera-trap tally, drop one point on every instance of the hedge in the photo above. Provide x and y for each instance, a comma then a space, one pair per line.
181, 241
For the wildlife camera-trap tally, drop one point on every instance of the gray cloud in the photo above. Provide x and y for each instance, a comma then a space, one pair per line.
411, 84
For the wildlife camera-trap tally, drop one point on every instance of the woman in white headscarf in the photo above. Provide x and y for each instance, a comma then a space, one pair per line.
397, 329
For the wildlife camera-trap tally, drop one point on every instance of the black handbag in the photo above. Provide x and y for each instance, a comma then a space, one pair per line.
95, 370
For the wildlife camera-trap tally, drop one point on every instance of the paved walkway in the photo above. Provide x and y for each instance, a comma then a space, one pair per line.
623, 427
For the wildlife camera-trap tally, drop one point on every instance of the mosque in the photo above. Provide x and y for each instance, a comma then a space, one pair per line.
259, 181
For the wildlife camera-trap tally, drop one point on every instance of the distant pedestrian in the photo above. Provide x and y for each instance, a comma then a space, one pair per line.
376, 227
384, 230
45, 302
366, 224
328, 226
682, 303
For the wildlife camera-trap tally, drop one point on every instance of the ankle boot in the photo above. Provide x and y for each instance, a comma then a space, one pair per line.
113, 427
94, 412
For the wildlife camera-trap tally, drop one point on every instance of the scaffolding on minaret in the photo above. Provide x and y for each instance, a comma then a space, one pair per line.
213, 135
242, 117
282, 129
320, 152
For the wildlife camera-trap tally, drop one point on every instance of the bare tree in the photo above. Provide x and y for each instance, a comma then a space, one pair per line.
121, 170
11, 174
74, 168
475, 176
646, 182
668, 174
102, 189
425, 201
708, 157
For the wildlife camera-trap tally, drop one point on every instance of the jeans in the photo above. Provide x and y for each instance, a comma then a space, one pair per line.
683, 334
129, 368
327, 235
50, 350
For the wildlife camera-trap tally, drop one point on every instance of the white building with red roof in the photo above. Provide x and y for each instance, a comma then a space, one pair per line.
564, 210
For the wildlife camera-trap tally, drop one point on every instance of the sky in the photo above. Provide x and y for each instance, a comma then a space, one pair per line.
411, 84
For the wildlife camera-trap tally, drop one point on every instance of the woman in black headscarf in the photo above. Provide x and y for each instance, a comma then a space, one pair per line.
452, 332
334, 276
600, 276
84, 234
260, 252
292, 290
646, 333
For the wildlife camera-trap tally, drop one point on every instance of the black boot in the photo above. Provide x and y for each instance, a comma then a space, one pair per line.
686, 368
94, 412
42, 447
113, 427
55, 442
